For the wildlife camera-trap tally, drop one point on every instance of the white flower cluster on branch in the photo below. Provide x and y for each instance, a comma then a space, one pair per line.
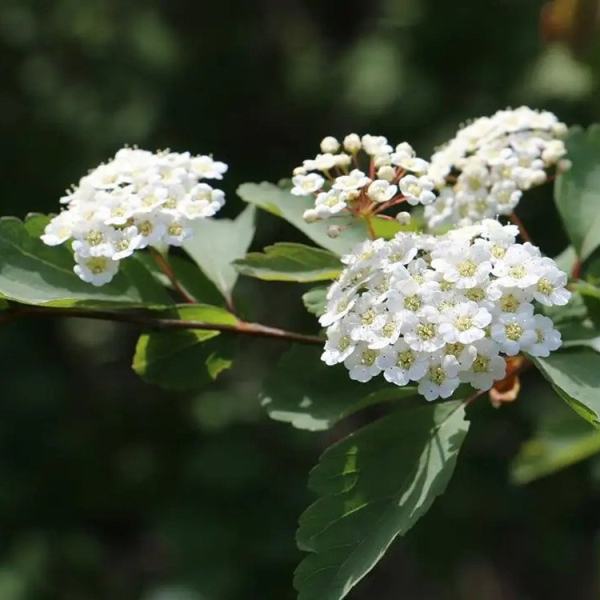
442, 310
137, 199
483, 171
362, 176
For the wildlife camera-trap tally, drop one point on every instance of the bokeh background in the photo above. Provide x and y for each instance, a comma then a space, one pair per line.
110, 488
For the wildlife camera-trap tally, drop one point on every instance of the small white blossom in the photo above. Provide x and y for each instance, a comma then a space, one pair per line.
441, 310
307, 184
137, 199
362, 172
482, 172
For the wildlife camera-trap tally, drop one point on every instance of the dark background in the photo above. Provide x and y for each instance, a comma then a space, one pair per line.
110, 488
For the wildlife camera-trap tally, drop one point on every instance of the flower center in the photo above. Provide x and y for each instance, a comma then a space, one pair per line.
389, 329
426, 331
412, 303
94, 237
467, 268
437, 375
544, 286
97, 265
509, 303
454, 349
475, 294
146, 228
368, 358
513, 331
464, 323
368, 317
517, 271
481, 364
405, 359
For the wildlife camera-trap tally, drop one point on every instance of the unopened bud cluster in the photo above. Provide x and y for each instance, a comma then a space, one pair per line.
483, 171
362, 176
442, 310
137, 199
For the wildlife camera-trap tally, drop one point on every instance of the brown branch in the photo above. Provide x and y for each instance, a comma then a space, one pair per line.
522, 230
148, 321
165, 267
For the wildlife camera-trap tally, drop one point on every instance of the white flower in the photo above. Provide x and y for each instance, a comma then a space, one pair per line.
514, 332
338, 347
307, 184
547, 339
465, 266
417, 190
329, 203
354, 181
381, 191
375, 145
137, 199
207, 168
517, 268
488, 366
490, 162
441, 378
464, 323
96, 270
362, 364
401, 364
550, 287
410, 308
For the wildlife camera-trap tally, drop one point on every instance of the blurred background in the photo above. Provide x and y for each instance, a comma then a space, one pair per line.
111, 488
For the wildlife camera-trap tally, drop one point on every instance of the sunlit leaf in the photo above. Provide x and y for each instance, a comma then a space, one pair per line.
578, 190
575, 376
324, 397
374, 486
290, 262
33, 273
216, 243
186, 359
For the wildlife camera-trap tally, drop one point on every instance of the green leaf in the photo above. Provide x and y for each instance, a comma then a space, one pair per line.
189, 276
282, 203
290, 262
33, 273
216, 243
577, 190
324, 397
186, 359
575, 376
373, 486
315, 300
562, 439
580, 334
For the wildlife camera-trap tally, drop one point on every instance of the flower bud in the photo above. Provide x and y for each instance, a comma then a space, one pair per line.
329, 144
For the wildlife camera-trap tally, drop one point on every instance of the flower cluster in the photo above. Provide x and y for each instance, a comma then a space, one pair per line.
137, 199
362, 176
483, 171
442, 310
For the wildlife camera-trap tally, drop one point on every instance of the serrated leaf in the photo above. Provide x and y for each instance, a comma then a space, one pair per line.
216, 243
315, 300
373, 486
575, 376
577, 190
186, 359
561, 439
318, 401
287, 261
33, 273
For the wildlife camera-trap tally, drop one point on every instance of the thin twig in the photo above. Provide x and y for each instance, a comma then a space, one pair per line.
148, 321
522, 230
165, 267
